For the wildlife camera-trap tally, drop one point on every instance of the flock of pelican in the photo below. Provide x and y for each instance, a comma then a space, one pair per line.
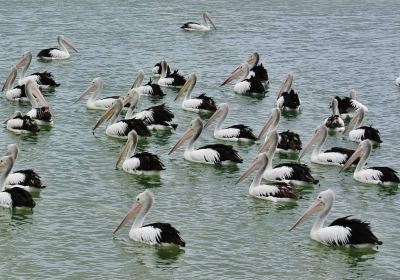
280, 183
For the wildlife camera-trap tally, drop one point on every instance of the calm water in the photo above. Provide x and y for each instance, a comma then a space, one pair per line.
331, 48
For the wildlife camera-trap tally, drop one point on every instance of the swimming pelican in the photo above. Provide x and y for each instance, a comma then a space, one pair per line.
40, 111
19, 124
120, 129
44, 79
237, 132
385, 176
157, 70
156, 233
95, 87
361, 133
288, 99
170, 80
201, 103
275, 192
257, 70
289, 172
209, 154
194, 26
140, 163
334, 122
342, 231
245, 86
57, 53
333, 156
16, 93
147, 89
348, 105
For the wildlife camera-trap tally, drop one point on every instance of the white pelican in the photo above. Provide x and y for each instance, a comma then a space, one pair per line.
209, 154
16, 93
40, 111
385, 176
170, 80
194, 26
15, 197
342, 231
95, 87
157, 70
333, 156
19, 124
238, 132
153, 234
334, 122
147, 89
246, 86
138, 163
257, 70
201, 103
44, 79
348, 105
287, 98
289, 172
121, 128
56, 53
360, 133
275, 192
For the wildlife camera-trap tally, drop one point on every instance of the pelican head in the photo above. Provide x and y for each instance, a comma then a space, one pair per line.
194, 129
139, 79
188, 86
260, 162
12, 150
25, 60
208, 20
364, 148
271, 123
320, 133
240, 73
164, 67
32, 88
222, 111
112, 111
64, 41
356, 121
287, 84
95, 86
252, 59
10, 79
353, 94
270, 145
129, 149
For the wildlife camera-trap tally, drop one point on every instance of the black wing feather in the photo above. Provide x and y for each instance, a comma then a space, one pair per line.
226, 152
207, 104
169, 234
371, 134
244, 131
21, 198
31, 178
149, 162
301, 172
289, 141
46, 52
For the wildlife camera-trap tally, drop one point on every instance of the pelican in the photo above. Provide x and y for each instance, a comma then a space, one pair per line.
287, 98
385, 176
157, 70
16, 93
19, 124
237, 132
245, 86
140, 163
276, 192
147, 89
153, 234
201, 103
170, 80
257, 70
15, 197
333, 156
194, 26
341, 232
120, 129
57, 53
44, 79
361, 133
334, 122
209, 154
95, 87
40, 111
289, 172
348, 105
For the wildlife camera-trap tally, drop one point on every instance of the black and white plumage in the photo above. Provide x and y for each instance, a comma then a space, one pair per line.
358, 133
246, 86
40, 111
194, 26
157, 70
287, 98
170, 80
138, 163
57, 53
257, 71
152, 234
334, 122
384, 176
349, 105
342, 231
209, 154
19, 123
16, 93
289, 141
149, 88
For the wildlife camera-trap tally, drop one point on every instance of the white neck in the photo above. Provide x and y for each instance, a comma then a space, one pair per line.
363, 159
221, 120
319, 223
318, 146
142, 215
62, 46
4, 176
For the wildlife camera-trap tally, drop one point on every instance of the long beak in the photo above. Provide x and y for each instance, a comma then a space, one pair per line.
210, 20
135, 209
253, 167
268, 125
88, 91
138, 81
317, 204
105, 117
232, 77
186, 135
183, 89
268, 143
214, 117
287, 85
69, 44
352, 123
357, 153
38, 94
313, 140
22, 62
10, 78
122, 153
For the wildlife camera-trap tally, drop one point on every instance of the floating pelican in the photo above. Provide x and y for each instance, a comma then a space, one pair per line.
273, 192
201, 103
140, 163
334, 122
170, 80
237, 132
157, 233
333, 156
56, 53
385, 176
95, 87
40, 111
157, 70
194, 26
342, 231
16, 93
147, 89
245, 86
15, 197
287, 98
44, 79
361, 133
120, 129
257, 71
289, 172
19, 124
348, 105
209, 154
